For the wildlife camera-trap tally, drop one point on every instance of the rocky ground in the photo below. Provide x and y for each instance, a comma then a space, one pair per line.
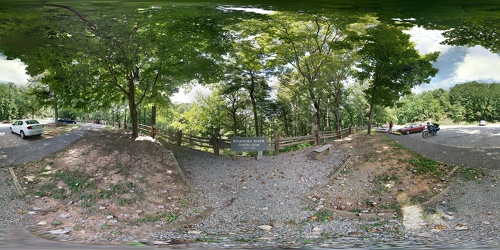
102, 189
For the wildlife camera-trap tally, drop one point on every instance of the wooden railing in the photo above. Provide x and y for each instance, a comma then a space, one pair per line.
215, 144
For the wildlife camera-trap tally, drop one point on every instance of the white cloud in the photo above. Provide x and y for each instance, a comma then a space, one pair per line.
479, 65
427, 40
13, 71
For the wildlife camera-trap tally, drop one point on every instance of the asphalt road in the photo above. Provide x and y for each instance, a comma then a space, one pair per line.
14, 150
468, 146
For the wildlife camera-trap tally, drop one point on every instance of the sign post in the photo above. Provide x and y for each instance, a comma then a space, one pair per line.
249, 144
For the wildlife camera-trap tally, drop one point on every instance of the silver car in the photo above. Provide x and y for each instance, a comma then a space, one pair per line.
28, 127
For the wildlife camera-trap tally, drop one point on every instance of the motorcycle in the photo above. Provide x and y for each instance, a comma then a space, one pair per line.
430, 129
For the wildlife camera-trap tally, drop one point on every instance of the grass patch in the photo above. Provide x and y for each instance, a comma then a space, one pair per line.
423, 165
76, 180
168, 217
322, 216
473, 173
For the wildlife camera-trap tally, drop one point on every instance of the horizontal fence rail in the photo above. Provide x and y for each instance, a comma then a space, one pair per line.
216, 144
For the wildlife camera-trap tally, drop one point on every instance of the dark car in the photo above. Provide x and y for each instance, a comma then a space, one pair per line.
411, 128
66, 120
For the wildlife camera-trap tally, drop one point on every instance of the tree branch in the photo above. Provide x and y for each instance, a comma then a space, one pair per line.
85, 20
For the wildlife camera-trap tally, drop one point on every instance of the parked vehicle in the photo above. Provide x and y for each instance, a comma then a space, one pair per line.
27, 127
66, 120
411, 128
482, 123
382, 129
430, 129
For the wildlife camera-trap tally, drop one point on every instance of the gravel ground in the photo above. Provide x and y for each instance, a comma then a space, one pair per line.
255, 204
12, 208
247, 194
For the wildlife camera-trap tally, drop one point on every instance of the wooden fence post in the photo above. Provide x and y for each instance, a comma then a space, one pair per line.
153, 121
276, 143
350, 130
339, 133
179, 138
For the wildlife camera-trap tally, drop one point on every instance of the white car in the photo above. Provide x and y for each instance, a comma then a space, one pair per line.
28, 127
482, 123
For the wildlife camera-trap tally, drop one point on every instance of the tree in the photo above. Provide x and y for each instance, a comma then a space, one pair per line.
392, 66
113, 55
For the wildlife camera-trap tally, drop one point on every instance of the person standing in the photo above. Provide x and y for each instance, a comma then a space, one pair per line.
391, 124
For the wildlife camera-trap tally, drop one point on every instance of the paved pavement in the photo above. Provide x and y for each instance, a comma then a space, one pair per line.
32, 150
468, 146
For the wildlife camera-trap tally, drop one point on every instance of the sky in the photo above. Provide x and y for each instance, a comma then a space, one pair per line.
456, 65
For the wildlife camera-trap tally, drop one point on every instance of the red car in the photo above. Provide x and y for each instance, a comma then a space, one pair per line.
411, 128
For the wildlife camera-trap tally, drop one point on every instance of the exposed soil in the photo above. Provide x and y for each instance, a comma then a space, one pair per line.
381, 176
107, 188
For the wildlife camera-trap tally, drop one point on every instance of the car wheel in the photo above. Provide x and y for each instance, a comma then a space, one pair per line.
407, 132
11, 130
22, 134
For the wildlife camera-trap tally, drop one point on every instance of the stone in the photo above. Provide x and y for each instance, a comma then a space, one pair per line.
60, 231
42, 223
265, 227
64, 216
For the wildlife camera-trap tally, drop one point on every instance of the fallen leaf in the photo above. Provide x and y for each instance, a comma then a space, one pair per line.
440, 227
314, 218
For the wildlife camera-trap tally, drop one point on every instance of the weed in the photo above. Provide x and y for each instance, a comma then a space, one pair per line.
125, 201
167, 217
308, 208
424, 165
76, 180
394, 206
322, 216
385, 178
296, 147
124, 170
57, 223
122, 187
473, 173
117, 233
371, 225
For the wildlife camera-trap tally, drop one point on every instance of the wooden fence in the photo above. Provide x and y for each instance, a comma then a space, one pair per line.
215, 144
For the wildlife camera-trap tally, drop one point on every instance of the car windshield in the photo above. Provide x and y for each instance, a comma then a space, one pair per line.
29, 122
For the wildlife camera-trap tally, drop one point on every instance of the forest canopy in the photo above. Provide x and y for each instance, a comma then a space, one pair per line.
284, 70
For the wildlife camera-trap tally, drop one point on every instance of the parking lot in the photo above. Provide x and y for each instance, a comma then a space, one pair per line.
468, 146
465, 136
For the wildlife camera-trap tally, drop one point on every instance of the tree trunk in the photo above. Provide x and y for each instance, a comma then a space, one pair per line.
370, 120
56, 113
338, 121
318, 121
133, 108
255, 116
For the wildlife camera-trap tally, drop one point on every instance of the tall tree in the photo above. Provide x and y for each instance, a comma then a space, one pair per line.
308, 43
392, 66
127, 54
246, 69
